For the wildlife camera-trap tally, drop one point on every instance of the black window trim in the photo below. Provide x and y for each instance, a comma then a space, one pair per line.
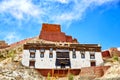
74, 54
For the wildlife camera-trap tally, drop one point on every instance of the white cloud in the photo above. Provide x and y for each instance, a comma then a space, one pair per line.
22, 8
77, 11
48, 9
63, 1
55, 11
12, 37
19, 8
118, 48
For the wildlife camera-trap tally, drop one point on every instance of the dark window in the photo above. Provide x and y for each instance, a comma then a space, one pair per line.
32, 55
62, 65
32, 63
51, 50
41, 54
65, 44
62, 55
63, 62
92, 56
51, 55
32, 50
74, 54
93, 63
82, 53
42, 50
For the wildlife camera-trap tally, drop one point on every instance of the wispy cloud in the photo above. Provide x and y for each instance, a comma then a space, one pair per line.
48, 10
63, 1
38, 11
19, 9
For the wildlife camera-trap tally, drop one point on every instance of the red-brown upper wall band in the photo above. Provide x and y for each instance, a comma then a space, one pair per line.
52, 32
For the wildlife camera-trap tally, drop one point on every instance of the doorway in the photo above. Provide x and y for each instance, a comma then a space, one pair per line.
62, 65
93, 63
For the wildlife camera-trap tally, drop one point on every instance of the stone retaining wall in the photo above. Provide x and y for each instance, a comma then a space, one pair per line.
94, 71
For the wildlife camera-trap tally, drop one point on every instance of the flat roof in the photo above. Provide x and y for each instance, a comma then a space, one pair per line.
85, 47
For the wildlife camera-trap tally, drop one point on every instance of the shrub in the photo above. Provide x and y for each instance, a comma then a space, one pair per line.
70, 77
48, 76
115, 58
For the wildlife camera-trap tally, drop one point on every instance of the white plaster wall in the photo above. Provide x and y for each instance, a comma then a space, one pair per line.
79, 62
98, 57
75, 62
85, 62
45, 62
25, 58
49, 63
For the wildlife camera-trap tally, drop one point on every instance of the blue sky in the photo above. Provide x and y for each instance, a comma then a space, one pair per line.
90, 21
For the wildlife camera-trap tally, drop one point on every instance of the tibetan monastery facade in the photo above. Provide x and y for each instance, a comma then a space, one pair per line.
65, 57
48, 57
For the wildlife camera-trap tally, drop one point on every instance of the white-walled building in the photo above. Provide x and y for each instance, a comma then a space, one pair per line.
62, 58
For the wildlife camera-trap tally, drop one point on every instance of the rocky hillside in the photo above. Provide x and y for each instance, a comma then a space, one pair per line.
12, 69
10, 63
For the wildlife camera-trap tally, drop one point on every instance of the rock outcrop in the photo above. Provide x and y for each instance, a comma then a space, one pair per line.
3, 44
114, 52
11, 69
113, 73
111, 52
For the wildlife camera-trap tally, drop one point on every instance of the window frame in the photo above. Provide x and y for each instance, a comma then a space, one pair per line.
50, 55
92, 62
32, 55
42, 51
32, 52
92, 53
41, 54
92, 56
32, 63
74, 53
82, 54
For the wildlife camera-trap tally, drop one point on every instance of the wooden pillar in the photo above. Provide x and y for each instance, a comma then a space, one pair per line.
52, 72
68, 70
58, 73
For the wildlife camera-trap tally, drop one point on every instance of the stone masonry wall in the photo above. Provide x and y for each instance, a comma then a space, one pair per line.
52, 32
106, 54
94, 71
51, 27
